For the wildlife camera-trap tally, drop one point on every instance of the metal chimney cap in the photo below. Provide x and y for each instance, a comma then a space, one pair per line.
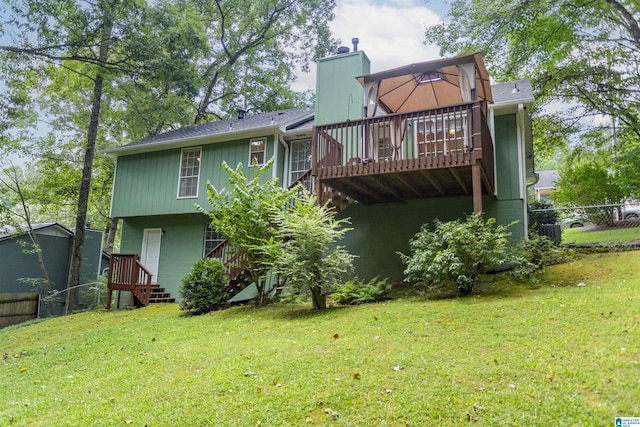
343, 49
355, 42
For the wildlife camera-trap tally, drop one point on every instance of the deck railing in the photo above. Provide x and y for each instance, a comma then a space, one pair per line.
437, 138
127, 273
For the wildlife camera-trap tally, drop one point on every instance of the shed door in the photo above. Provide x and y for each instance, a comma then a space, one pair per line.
150, 254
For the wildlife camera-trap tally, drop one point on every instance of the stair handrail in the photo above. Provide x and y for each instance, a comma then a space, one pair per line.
142, 290
127, 273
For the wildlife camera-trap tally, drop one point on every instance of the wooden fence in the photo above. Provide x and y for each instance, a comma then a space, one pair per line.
18, 307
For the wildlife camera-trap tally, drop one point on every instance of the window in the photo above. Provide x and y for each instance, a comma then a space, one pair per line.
211, 239
442, 134
257, 151
189, 173
300, 158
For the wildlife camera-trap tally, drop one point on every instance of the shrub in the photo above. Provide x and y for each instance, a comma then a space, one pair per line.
204, 288
357, 291
456, 251
535, 254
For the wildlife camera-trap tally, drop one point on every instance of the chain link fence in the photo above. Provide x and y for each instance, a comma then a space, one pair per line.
91, 296
588, 226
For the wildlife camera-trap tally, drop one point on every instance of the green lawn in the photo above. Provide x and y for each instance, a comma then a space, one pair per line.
513, 355
584, 235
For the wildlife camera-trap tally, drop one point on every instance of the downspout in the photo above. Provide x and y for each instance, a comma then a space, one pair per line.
285, 169
522, 169
274, 171
492, 131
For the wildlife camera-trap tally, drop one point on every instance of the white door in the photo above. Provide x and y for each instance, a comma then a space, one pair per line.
150, 254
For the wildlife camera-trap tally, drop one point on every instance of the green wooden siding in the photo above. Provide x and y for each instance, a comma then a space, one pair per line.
147, 184
507, 165
380, 231
181, 244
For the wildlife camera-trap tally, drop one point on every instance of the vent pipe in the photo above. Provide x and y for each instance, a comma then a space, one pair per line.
355, 42
241, 113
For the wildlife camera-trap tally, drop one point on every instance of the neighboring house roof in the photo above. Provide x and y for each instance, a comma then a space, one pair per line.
8, 231
282, 120
547, 179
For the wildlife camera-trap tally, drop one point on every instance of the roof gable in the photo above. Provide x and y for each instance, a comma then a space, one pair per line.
49, 228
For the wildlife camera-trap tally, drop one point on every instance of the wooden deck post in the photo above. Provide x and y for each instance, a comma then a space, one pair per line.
476, 181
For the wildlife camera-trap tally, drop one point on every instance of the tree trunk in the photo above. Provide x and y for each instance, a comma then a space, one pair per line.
112, 228
85, 185
318, 299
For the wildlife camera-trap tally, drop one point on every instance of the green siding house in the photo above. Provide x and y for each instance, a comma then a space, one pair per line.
392, 150
17, 264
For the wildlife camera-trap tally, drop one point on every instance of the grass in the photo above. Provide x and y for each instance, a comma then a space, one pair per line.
511, 355
585, 235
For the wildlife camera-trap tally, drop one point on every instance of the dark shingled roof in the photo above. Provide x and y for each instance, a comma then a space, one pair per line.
298, 118
290, 118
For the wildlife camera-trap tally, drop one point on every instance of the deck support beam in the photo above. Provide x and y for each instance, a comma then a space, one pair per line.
476, 181
458, 178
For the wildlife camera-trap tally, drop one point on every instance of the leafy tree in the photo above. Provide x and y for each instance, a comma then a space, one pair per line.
15, 213
304, 247
253, 48
244, 213
589, 184
582, 53
456, 251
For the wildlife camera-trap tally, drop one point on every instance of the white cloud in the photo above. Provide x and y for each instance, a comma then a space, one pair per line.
391, 34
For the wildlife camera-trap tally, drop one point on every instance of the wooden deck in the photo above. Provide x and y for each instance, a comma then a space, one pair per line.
393, 158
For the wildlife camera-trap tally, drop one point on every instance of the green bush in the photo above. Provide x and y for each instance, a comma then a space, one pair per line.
456, 251
357, 291
535, 254
204, 288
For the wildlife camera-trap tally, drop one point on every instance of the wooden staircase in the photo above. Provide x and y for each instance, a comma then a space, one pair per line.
126, 273
159, 295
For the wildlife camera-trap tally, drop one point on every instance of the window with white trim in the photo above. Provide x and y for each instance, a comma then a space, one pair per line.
256, 153
189, 173
300, 158
211, 239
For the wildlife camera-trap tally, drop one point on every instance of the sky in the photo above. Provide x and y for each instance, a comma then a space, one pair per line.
390, 32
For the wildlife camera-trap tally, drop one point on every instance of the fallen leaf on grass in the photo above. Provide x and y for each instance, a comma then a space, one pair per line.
472, 417
276, 383
23, 369
356, 375
308, 420
331, 412
335, 336
398, 368
128, 421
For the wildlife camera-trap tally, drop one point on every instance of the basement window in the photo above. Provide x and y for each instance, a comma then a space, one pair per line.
211, 239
